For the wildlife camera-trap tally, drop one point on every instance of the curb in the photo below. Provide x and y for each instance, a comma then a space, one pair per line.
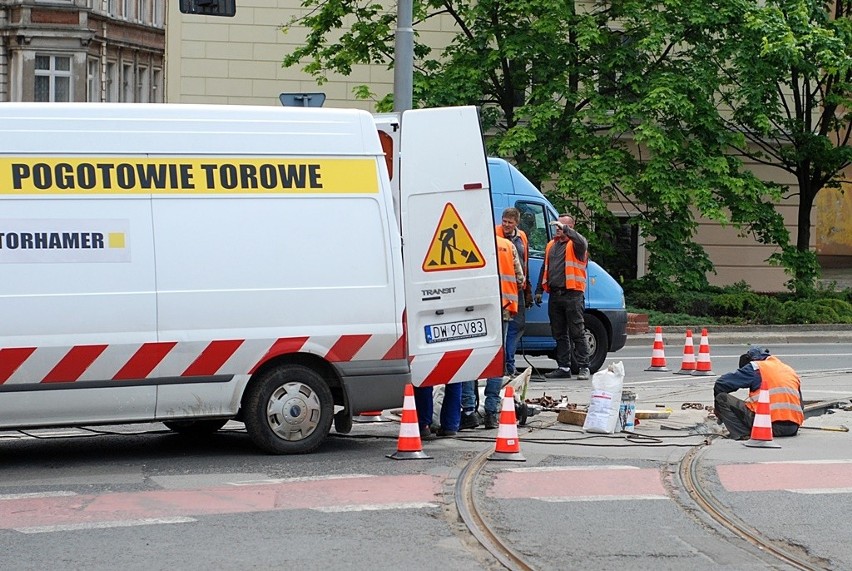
747, 335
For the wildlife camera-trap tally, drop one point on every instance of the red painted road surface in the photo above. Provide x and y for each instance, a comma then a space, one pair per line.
356, 492
769, 476
591, 482
318, 494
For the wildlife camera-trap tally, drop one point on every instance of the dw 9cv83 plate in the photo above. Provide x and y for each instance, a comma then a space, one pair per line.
456, 330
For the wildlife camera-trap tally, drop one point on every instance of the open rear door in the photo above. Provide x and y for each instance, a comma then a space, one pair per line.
452, 288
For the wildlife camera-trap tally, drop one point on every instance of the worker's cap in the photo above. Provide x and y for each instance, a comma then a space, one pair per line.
757, 352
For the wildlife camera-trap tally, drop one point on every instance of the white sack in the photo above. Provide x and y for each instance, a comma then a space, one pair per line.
605, 400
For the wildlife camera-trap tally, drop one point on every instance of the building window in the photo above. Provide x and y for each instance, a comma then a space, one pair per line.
93, 80
143, 87
127, 83
52, 78
112, 81
159, 10
157, 85
129, 9
145, 11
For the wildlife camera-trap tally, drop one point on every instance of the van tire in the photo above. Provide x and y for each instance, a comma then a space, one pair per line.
598, 341
196, 427
288, 410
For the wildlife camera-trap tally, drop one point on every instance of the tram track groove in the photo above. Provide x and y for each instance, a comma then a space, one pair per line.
465, 497
691, 484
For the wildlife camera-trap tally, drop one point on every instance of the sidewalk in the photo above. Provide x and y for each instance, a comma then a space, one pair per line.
747, 334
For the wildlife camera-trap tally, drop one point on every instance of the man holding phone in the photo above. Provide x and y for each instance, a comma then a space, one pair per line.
563, 276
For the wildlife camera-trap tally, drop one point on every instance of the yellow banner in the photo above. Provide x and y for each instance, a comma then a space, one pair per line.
193, 175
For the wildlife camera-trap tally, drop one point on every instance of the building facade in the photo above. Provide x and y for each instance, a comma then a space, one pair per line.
82, 50
238, 60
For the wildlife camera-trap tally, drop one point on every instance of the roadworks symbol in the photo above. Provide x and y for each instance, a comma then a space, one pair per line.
452, 246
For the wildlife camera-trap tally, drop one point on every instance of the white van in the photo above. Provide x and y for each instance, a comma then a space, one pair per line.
194, 264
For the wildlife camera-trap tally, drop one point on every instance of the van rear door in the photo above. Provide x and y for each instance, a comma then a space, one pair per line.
451, 282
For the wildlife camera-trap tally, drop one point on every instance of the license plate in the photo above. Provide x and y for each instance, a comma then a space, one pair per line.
455, 330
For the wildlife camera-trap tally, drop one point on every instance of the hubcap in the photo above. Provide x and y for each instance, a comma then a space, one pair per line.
293, 411
591, 342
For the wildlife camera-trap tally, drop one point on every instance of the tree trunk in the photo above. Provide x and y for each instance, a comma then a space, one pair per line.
806, 203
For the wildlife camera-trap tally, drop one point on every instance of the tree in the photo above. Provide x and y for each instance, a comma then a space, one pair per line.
614, 105
789, 82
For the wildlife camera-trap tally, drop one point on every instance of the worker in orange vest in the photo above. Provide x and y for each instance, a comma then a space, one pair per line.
563, 276
508, 229
511, 282
785, 395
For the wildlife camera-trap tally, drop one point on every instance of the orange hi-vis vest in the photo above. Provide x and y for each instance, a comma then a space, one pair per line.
783, 384
523, 235
508, 280
575, 270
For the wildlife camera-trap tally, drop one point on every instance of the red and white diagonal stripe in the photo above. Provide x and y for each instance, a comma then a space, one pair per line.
134, 361
118, 362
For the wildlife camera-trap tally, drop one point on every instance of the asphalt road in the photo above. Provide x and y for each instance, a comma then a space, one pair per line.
139, 497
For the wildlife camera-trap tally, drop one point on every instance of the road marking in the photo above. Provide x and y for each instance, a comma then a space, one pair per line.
569, 468
376, 507
103, 524
787, 462
599, 498
36, 495
823, 491
302, 479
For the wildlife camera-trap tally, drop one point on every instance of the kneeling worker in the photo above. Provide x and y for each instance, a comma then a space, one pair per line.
785, 395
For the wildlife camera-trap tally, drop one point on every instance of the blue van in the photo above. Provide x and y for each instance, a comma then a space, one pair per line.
606, 315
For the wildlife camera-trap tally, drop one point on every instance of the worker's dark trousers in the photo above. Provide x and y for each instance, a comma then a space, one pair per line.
565, 310
738, 419
734, 414
514, 332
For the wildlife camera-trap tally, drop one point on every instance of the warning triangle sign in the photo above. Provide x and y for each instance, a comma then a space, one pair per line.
452, 246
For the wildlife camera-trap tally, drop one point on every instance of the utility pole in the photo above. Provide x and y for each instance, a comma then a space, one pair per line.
403, 67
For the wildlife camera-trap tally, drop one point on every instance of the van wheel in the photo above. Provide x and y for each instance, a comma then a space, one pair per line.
196, 427
598, 342
289, 410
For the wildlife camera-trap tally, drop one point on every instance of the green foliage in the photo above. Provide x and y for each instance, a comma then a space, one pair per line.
737, 304
789, 91
643, 107
841, 307
662, 319
809, 312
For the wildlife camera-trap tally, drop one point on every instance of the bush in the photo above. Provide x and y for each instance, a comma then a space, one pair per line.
809, 311
737, 304
657, 318
841, 307
771, 312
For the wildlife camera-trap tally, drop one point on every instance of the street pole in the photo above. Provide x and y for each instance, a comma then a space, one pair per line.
403, 67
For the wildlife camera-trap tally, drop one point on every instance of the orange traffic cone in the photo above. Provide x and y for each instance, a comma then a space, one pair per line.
687, 365
508, 444
761, 430
702, 366
409, 446
658, 355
